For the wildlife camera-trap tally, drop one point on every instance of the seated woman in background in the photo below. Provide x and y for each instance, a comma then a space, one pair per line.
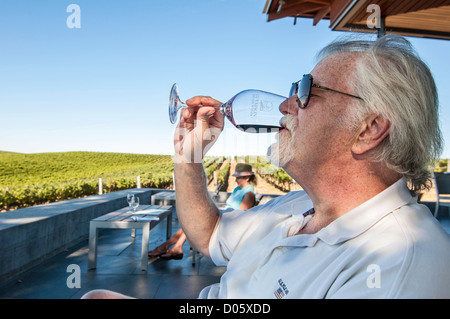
243, 197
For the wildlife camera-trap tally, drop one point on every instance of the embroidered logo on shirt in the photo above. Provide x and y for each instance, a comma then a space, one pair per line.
282, 290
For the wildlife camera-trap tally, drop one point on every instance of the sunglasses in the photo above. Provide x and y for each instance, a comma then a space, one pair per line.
303, 87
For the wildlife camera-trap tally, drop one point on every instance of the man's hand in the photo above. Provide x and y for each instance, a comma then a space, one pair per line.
200, 125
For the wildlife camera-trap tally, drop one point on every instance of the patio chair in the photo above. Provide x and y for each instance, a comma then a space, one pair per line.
442, 184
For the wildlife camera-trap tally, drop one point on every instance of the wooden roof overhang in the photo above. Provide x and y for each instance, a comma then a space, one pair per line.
418, 18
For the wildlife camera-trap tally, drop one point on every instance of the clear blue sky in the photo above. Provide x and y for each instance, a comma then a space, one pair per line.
104, 87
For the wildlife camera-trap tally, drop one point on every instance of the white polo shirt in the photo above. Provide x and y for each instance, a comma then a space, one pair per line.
388, 247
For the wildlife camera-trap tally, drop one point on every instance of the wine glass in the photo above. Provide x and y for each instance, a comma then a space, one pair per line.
252, 111
130, 198
135, 203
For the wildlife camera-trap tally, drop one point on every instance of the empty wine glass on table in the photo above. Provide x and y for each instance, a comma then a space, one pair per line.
135, 203
253, 111
130, 198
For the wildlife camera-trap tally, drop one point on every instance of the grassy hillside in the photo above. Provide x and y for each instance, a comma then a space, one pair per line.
30, 179
25, 169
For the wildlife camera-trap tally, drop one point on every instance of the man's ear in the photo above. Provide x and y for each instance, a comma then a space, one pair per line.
372, 132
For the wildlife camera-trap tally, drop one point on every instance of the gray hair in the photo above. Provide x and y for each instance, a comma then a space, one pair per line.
397, 85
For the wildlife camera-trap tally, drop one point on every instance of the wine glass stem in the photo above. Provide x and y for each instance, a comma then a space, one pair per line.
223, 108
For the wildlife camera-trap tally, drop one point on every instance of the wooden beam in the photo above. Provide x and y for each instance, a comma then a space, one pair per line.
321, 2
321, 14
267, 6
338, 7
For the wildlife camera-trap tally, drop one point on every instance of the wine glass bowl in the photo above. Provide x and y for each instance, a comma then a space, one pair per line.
174, 101
135, 203
130, 198
253, 111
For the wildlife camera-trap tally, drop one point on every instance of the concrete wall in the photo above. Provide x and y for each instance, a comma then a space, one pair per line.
32, 234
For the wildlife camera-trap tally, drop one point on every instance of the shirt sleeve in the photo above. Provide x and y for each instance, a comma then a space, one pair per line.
232, 228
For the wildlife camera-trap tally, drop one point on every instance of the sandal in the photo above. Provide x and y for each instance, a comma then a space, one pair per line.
170, 255
156, 252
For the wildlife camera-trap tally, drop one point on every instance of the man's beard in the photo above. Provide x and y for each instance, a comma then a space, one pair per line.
282, 152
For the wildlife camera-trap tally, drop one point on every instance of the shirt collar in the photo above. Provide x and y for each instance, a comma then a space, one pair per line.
361, 218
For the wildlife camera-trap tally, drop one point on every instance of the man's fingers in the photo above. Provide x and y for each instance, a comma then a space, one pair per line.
202, 100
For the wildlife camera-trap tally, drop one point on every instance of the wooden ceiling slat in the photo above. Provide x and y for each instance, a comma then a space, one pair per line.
391, 6
273, 6
321, 14
321, 2
338, 8
420, 5
292, 11
399, 7
421, 20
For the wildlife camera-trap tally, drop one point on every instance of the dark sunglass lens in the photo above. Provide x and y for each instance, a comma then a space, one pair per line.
294, 88
304, 90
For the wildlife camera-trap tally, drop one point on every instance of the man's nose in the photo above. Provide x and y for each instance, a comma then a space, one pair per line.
289, 106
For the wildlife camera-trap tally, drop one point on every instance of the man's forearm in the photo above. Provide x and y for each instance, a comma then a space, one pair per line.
196, 211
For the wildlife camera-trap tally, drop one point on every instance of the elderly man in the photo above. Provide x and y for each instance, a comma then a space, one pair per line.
358, 134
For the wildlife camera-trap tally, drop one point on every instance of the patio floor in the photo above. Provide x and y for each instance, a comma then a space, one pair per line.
118, 270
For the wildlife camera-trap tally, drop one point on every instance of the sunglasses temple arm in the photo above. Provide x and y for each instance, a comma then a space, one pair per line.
325, 88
